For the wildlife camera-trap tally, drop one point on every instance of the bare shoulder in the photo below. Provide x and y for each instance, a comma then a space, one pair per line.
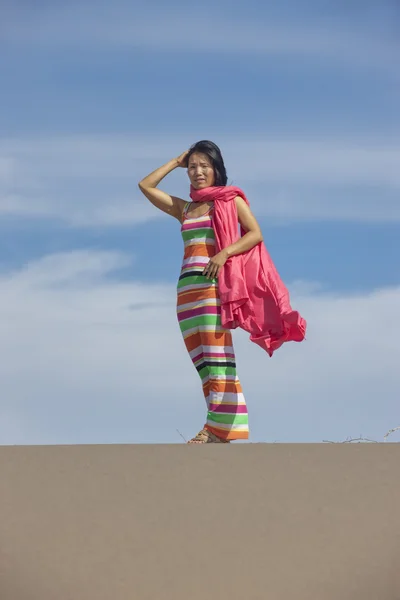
239, 201
245, 216
242, 206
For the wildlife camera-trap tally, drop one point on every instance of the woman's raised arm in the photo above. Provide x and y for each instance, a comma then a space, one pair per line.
148, 186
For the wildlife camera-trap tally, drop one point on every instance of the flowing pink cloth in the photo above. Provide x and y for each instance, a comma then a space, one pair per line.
252, 294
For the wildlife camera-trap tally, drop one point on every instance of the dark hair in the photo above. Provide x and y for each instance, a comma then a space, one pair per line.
215, 156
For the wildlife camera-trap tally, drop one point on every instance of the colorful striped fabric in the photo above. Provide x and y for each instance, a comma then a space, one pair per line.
208, 343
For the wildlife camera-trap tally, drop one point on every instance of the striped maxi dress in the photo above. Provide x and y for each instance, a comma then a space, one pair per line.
208, 343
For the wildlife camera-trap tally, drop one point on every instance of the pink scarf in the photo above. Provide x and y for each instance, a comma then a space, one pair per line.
252, 294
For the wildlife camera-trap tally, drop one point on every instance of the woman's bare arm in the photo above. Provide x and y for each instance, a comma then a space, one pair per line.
251, 238
172, 205
253, 235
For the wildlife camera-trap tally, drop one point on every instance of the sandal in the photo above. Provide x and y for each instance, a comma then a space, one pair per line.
207, 437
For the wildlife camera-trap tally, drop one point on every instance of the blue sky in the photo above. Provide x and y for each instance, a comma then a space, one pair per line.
303, 100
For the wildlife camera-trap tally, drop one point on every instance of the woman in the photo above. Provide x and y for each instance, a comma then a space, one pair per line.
226, 281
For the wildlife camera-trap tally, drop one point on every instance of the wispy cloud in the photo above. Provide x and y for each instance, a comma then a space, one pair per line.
76, 269
92, 180
124, 25
78, 365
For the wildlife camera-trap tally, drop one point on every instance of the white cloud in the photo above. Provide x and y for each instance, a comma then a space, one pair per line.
79, 267
88, 358
92, 180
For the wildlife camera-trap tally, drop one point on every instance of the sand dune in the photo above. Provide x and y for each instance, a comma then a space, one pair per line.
251, 521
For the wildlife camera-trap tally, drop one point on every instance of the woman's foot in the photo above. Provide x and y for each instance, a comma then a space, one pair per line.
207, 437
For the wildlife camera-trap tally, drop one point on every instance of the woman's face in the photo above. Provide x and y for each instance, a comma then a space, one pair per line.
200, 171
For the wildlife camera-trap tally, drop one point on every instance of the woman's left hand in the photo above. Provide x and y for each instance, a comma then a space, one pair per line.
215, 265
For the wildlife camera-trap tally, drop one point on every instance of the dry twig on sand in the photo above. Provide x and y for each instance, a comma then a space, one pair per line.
362, 439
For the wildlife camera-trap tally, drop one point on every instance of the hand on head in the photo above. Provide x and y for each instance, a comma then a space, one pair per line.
182, 159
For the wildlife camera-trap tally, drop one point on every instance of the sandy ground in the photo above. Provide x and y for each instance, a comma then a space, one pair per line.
251, 521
